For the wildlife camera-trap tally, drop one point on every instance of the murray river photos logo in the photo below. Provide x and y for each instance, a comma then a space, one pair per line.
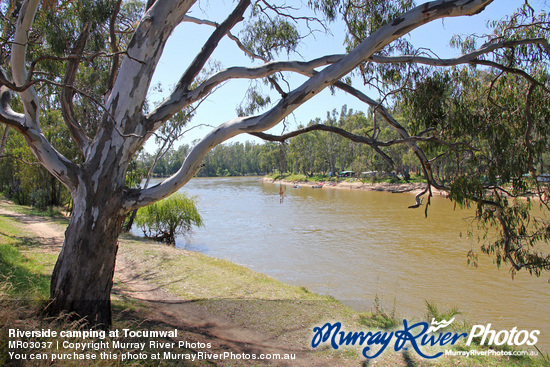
418, 336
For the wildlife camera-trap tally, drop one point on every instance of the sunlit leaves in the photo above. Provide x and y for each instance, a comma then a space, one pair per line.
523, 24
269, 37
501, 115
60, 29
362, 17
254, 101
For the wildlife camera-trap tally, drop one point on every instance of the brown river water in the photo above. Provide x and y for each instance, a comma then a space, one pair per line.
358, 245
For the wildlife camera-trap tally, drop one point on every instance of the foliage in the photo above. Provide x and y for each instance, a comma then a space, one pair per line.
164, 220
268, 36
493, 118
435, 313
21, 177
24, 180
380, 318
318, 152
231, 159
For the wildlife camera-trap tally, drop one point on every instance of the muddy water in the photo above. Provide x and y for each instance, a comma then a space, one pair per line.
357, 245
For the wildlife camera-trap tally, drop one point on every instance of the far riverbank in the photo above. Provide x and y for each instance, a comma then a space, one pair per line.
355, 184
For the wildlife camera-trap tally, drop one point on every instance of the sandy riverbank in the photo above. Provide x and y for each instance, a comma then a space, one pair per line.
413, 188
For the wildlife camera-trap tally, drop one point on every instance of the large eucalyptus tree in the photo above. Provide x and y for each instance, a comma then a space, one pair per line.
130, 53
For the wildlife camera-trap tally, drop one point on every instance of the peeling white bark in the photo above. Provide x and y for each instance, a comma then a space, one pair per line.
28, 124
18, 62
136, 70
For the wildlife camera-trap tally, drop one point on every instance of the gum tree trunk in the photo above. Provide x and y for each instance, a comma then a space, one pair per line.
82, 279
83, 275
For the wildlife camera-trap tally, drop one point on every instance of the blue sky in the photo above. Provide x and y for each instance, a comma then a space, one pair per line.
220, 107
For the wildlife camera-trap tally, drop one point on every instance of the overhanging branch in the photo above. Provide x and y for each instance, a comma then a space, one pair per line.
180, 99
28, 123
231, 36
463, 59
333, 129
171, 105
200, 60
328, 76
67, 93
471, 58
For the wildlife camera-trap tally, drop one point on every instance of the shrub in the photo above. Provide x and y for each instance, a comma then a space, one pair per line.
165, 219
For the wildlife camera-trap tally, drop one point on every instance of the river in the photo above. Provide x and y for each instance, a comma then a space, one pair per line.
358, 245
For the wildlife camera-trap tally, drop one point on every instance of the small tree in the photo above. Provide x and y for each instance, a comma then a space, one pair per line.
165, 219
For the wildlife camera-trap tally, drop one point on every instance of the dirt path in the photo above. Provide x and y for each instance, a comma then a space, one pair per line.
195, 322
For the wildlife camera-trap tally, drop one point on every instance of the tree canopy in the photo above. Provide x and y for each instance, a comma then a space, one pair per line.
89, 64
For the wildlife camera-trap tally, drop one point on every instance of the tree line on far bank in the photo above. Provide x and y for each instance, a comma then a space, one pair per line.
318, 152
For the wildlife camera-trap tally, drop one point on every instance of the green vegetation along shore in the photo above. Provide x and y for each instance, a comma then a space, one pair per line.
215, 305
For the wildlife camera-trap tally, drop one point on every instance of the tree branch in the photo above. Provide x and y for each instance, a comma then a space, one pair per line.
505, 230
398, 128
200, 60
7, 115
333, 129
137, 68
231, 36
511, 70
152, 122
78, 134
328, 76
463, 59
28, 124
29, 97
114, 46
471, 58
20, 159
179, 98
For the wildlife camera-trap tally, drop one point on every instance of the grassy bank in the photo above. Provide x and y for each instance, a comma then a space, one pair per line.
25, 271
201, 296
